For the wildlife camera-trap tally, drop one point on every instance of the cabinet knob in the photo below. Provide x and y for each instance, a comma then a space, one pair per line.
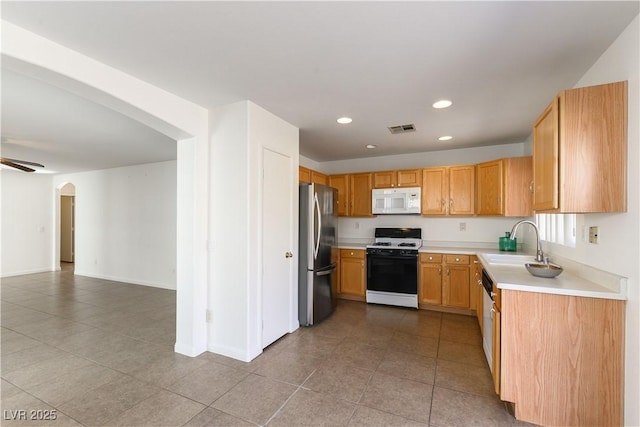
457, 259
430, 258
352, 253
288, 254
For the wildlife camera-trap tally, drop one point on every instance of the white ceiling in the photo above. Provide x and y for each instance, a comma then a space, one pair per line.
381, 63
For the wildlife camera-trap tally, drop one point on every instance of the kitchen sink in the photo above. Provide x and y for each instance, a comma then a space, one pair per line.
509, 259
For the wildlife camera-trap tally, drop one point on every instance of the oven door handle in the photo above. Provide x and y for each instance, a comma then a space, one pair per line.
394, 257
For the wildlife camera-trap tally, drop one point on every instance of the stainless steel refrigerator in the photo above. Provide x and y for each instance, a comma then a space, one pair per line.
317, 265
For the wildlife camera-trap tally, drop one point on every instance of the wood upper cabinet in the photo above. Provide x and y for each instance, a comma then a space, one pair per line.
448, 190
401, 178
462, 190
360, 186
304, 175
504, 187
580, 151
341, 183
352, 272
435, 191
319, 178
562, 358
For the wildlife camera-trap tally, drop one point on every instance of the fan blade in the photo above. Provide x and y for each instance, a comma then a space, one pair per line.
24, 162
7, 162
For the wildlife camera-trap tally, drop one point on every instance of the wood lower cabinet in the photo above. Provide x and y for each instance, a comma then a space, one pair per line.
562, 358
476, 289
430, 289
444, 280
580, 151
455, 283
448, 190
495, 339
503, 187
352, 273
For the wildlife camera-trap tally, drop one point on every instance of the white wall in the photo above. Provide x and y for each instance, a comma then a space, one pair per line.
161, 110
618, 250
483, 231
126, 223
27, 223
238, 133
423, 160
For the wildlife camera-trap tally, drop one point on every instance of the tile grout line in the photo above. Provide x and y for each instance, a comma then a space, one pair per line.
299, 387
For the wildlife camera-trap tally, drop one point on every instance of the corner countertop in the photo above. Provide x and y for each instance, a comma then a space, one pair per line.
576, 280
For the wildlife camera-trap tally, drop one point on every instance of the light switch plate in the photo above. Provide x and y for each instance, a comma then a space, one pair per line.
593, 235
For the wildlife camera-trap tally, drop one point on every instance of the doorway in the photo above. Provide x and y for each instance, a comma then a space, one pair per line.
67, 226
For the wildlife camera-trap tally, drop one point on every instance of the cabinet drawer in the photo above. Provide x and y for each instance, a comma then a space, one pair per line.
431, 258
457, 259
351, 253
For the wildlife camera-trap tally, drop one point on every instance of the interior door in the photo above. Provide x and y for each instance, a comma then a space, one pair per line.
66, 228
277, 245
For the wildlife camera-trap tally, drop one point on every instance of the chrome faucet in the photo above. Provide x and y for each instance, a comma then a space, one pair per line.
539, 254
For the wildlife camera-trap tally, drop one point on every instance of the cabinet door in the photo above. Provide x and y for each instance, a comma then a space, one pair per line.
352, 280
518, 186
456, 286
304, 175
360, 194
495, 351
319, 178
545, 159
430, 290
434, 191
461, 190
409, 178
341, 183
593, 148
386, 179
489, 187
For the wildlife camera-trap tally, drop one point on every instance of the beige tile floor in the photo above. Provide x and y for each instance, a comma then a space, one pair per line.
95, 352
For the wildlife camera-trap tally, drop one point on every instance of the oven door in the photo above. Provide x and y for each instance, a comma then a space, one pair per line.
393, 273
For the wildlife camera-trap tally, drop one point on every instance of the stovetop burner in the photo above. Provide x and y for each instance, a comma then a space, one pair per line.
398, 238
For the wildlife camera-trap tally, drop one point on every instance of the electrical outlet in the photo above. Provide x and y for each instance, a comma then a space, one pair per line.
357, 225
593, 235
209, 316
463, 226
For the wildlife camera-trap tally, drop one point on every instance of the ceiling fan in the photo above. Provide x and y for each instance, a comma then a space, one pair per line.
20, 164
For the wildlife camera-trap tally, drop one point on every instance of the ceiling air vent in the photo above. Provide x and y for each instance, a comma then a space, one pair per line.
402, 129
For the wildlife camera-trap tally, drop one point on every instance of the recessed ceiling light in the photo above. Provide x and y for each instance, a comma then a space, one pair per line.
445, 138
370, 146
344, 120
443, 103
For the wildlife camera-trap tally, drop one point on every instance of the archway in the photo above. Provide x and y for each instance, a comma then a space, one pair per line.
182, 120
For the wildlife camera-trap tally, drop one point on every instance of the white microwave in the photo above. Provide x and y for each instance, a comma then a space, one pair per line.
396, 200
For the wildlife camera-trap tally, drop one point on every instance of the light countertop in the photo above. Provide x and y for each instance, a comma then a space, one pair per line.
576, 279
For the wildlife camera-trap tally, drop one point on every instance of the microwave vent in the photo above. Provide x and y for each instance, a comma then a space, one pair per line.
402, 129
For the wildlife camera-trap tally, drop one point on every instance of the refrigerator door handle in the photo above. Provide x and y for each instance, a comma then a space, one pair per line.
328, 271
317, 206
